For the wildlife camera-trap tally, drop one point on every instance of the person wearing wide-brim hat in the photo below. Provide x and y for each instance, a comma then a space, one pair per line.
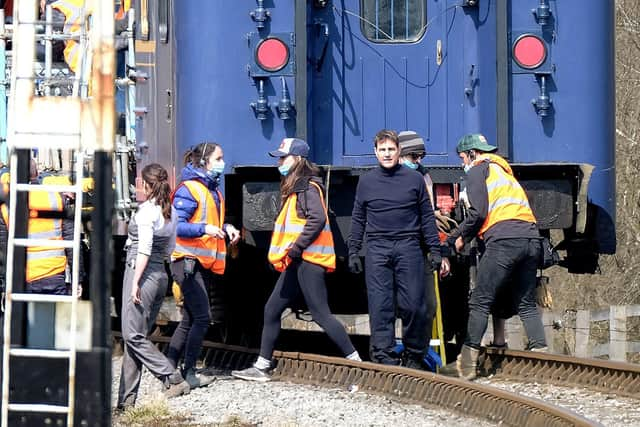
500, 215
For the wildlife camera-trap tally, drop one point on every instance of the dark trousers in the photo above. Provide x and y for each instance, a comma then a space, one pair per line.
507, 262
196, 314
395, 275
307, 278
54, 285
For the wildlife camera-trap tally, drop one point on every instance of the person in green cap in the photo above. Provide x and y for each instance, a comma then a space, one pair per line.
500, 215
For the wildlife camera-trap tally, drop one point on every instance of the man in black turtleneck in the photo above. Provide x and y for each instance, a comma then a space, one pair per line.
393, 209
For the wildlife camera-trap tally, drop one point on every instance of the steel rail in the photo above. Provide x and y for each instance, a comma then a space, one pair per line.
402, 384
619, 378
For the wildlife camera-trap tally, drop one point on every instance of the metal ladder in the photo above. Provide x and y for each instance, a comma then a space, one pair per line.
11, 297
46, 123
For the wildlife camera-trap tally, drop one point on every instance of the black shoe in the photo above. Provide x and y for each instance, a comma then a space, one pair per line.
413, 362
127, 403
197, 380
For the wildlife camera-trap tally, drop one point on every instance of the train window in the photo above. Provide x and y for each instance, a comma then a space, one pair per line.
393, 21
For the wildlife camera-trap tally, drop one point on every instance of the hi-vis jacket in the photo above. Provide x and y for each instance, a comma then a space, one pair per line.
288, 228
43, 262
507, 199
210, 251
72, 11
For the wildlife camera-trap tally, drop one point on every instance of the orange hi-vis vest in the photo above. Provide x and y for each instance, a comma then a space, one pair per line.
507, 199
72, 11
43, 262
286, 230
124, 7
210, 251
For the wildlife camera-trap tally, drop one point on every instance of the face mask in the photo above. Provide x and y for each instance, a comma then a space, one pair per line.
217, 169
284, 169
410, 164
467, 168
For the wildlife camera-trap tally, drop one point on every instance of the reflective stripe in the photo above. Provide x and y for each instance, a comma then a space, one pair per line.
53, 253
311, 248
49, 234
503, 201
200, 251
500, 182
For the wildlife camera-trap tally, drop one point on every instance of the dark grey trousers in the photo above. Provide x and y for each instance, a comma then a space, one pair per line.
137, 323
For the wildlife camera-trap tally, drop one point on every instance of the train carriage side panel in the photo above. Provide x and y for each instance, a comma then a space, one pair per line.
579, 79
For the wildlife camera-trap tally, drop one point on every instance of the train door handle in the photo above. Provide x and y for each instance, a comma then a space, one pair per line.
169, 106
163, 20
439, 52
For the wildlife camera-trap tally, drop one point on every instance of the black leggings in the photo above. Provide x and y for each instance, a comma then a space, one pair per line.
308, 278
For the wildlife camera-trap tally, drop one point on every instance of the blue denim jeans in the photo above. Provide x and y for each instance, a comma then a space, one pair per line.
507, 263
196, 314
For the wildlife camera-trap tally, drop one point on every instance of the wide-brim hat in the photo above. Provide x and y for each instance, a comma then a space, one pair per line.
291, 146
474, 141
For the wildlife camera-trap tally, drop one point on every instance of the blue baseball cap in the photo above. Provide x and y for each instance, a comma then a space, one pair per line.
291, 146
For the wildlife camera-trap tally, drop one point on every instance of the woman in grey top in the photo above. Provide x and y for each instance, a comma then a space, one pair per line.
152, 237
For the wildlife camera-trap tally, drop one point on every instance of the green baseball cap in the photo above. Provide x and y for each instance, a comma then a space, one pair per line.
474, 141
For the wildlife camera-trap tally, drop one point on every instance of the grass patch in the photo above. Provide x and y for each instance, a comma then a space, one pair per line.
154, 413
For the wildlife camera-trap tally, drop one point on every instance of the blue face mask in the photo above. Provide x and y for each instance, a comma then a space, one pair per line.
467, 168
284, 169
410, 164
217, 169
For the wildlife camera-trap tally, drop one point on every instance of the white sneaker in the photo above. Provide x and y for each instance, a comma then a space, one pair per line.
252, 374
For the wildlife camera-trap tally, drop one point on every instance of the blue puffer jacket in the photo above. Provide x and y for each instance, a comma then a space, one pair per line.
186, 205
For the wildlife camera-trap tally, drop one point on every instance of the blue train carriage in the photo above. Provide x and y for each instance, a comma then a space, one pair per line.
535, 76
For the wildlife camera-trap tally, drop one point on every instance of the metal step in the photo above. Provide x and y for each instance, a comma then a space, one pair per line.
51, 188
41, 298
35, 352
24, 407
45, 243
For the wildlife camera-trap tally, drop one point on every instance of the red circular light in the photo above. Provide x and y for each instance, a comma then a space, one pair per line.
529, 51
272, 54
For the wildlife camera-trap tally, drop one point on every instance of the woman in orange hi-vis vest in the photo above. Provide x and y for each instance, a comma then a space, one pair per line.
302, 251
200, 251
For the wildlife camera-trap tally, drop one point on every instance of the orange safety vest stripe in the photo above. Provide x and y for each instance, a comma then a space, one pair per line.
507, 199
210, 251
42, 262
287, 229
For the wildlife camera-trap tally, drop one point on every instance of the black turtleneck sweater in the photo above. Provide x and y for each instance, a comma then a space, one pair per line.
392, 204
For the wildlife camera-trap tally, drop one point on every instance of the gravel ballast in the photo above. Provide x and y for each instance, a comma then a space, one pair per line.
284, 404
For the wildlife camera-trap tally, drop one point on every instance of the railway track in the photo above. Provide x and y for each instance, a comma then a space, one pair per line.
622, 379
404, 385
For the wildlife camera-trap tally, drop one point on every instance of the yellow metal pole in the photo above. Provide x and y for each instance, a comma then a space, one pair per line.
438, 323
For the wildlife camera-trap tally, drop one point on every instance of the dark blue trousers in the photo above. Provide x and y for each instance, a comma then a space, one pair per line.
507, 263
395, 276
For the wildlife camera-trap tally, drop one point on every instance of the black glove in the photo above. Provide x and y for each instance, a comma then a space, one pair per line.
355, 265
295, 253
436, 261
